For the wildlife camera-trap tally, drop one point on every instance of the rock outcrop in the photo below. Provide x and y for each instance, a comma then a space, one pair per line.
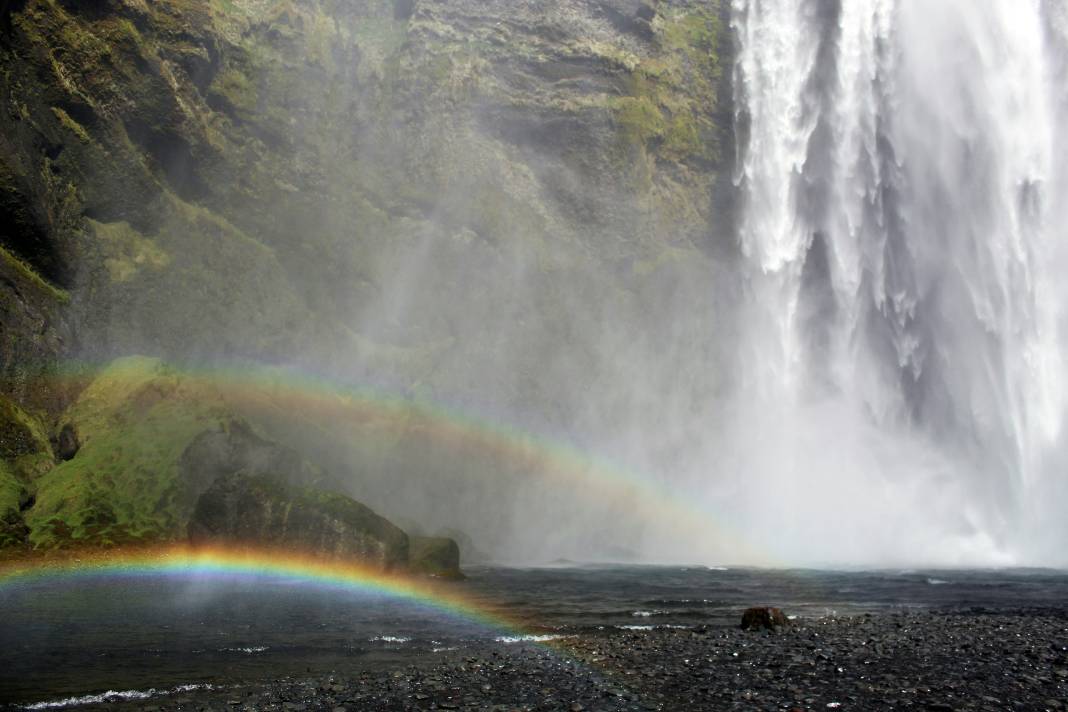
232, 178
437, 556
25, 456
149, 454
261, 510
269, 181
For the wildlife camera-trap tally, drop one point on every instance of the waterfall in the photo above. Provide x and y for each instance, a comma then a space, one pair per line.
903, 168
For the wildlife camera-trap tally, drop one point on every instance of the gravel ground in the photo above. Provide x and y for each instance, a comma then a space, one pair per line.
959, 660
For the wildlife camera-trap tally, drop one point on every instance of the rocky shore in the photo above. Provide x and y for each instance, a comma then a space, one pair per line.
974, 659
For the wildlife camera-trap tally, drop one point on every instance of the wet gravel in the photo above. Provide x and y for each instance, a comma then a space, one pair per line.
952, 660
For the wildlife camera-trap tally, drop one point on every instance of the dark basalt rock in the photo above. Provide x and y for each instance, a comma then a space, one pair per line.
764, 619
437, 556
261, 510
67, 443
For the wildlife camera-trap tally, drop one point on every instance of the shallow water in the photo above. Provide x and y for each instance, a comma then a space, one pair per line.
74, 639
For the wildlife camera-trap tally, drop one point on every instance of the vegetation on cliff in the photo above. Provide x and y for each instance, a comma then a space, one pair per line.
271, 181
150, 454
201, 175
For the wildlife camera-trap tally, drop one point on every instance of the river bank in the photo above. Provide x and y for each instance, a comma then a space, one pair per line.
969, 659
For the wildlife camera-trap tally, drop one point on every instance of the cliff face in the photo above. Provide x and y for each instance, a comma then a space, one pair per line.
257, 179
517, 205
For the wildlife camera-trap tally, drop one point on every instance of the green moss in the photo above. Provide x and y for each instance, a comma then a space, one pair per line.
673, 95
25, 455
71, 125
235, 89
130, 30
27, 273
10, 490
135, 420
126, 251
20, 433
639, 118
682, 136
696, 33
12, 527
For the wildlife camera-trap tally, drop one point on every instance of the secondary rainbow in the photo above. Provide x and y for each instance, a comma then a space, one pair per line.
303, 392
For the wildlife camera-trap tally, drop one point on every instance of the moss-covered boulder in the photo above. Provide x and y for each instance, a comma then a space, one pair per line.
140, 444
262, 510
435, 556
124, 484
161, 455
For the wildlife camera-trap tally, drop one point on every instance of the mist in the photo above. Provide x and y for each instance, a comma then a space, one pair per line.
828, 332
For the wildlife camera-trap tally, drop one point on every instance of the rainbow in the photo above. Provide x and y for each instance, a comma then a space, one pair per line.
299, 395
253, 564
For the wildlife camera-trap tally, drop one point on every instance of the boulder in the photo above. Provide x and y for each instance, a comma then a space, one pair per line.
262, 510
436, 556
763, 618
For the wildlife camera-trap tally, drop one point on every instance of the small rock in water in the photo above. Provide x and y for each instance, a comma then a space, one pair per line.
763, 619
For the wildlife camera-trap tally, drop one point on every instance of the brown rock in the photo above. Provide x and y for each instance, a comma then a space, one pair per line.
437, 556
763, 619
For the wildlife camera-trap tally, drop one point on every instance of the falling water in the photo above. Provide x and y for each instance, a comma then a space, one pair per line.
903, 166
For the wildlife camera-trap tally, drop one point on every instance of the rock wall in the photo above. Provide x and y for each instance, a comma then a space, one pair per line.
203, 180
519, 207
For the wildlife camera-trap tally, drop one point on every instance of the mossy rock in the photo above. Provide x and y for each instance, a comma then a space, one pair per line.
24, 448
435, 556
152, 441
13, 530
124, 485
20, 433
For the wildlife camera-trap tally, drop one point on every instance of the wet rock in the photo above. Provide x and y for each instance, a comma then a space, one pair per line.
262, 510
762, 618
672, 674
436, 556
